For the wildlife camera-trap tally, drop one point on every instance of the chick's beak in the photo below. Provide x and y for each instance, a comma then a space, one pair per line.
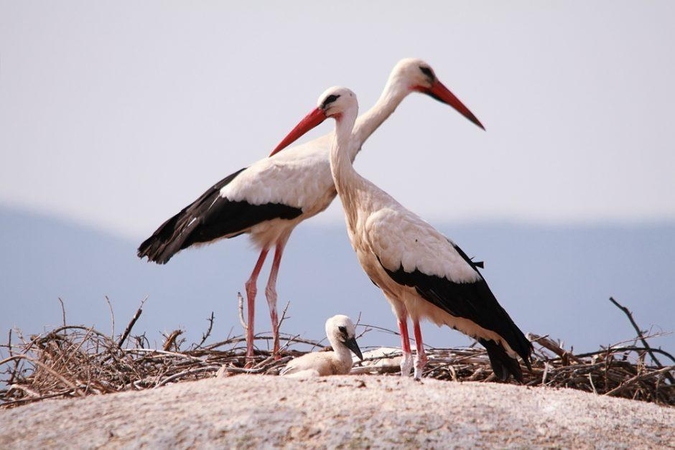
354, 347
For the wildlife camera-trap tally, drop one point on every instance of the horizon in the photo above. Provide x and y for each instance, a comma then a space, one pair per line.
338, 222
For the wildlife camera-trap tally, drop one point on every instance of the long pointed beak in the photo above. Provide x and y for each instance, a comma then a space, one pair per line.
354, 347
443, 94
310, 121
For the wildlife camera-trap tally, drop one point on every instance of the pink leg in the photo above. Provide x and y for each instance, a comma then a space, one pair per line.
251, 291
271, 294
406, 362
421, 359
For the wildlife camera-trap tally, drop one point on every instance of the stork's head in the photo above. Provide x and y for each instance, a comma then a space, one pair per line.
341, 329
415, 75
334, 102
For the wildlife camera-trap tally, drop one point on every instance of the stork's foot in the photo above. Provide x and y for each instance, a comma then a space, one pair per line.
406, 364
420, 362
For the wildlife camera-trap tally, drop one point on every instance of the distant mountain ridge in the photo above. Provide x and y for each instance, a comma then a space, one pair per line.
551, 280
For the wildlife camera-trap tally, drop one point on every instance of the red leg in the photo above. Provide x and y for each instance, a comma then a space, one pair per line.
271, 294
251, 291
421, 360
405, 338
406, 362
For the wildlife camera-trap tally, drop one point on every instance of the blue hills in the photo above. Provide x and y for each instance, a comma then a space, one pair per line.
553, 280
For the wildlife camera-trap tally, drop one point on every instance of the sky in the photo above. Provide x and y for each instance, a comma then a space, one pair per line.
116, 115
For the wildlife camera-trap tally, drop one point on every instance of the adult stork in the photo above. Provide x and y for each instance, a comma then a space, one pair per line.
272, 196
422, 273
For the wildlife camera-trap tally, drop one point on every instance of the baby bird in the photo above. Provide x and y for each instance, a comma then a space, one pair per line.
341, 333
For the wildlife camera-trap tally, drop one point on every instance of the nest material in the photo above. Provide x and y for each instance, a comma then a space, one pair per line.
75, 361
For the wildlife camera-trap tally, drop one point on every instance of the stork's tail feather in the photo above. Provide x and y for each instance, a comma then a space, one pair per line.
167, 240
176, 233
502, 364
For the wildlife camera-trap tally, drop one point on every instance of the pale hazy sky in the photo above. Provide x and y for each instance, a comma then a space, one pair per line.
119, 114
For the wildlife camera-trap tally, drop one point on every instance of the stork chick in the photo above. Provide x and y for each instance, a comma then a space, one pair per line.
341, 334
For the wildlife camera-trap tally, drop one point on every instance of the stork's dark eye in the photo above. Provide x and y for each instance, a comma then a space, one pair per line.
343, 330
330, 99
427, 71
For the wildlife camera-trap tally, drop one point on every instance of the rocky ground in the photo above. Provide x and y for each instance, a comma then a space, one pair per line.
362, 411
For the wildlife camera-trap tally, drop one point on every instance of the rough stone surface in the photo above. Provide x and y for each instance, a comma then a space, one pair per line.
350, 412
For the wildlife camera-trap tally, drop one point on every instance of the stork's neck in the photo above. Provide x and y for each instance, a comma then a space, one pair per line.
341, 151
342, 353
347, 180
392, 96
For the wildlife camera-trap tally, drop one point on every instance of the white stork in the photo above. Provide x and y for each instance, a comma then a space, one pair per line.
341, 334
422, 273
272, 196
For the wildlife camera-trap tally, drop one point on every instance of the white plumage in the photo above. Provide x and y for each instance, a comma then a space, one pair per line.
341, 334
268, 199
421, 272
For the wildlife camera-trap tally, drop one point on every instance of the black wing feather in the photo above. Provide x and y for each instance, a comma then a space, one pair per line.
473, 301
209, 218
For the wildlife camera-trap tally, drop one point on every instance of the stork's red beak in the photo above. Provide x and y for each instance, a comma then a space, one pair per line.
443, 94
310, 121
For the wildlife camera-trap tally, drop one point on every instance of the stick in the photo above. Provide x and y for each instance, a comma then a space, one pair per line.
184, 373
72, 351
52, 372
547, 343
644, 341
54, 334
32, 399
63, 311
206, 335
14, 372
590, 380
385, 330
9, 342
112, 318
636, 378
131, 324
283, 314
151, 352
171, 340
366, 328
241, 311
259, 368
545, 374
625, 349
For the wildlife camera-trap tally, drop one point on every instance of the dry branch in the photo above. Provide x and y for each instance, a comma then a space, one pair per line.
171, 340
131, 324
63, 311
206, 335
73, 361
112, 317
240, 303
641, 337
